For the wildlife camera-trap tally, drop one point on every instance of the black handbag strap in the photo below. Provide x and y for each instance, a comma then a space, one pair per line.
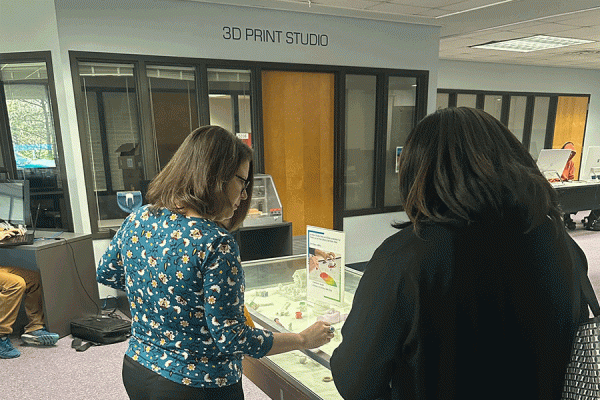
588, 293
586, 286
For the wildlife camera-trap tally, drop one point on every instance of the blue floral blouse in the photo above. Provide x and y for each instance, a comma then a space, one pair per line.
185, 287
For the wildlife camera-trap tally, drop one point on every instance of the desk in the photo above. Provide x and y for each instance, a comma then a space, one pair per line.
61, 264
578, 196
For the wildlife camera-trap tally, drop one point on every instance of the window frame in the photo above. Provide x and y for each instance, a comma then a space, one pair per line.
201, 78
529, 108
6, 146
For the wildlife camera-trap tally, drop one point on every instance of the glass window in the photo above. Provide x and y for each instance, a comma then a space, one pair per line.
442, 100
516, 116
113, 137
33, 137
229, 101
402, 96
360, 140
538, 128
493, 105
174, 108
466, 100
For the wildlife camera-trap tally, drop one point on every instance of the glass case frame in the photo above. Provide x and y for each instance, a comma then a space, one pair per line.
274, 296
265, 206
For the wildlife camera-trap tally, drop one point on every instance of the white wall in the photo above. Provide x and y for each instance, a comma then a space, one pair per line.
31, 26
365, 233
194, 29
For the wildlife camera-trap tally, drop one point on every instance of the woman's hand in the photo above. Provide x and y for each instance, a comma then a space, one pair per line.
316, 335
6, 233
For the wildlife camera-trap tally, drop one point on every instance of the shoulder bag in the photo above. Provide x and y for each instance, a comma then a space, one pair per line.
582, 380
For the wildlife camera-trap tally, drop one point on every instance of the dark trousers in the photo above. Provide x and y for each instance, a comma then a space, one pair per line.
144, 384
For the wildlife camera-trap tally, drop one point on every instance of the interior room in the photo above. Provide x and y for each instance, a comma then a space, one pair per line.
96, 97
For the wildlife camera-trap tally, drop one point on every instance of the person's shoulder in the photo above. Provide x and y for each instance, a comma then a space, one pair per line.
401, 242
408, 238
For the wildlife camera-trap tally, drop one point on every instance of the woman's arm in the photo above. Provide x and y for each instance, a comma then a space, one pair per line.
315, 335
110, 270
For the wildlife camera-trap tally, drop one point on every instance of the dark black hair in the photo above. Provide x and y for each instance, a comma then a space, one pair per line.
462, 164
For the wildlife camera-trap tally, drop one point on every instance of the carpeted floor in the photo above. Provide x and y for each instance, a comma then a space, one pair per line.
59, 372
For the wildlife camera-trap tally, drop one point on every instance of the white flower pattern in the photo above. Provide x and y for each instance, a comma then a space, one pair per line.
179, 297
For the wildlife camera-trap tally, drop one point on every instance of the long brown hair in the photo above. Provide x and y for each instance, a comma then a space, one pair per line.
196, 176
462, 164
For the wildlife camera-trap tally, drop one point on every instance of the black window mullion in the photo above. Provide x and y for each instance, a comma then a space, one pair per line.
203, 105
257, 120
528, 123
380, 140
422, 93
452, 99
6, 146
339, 151
480, 101
552, 107
104, 141
146, 126
505, 111
235, 111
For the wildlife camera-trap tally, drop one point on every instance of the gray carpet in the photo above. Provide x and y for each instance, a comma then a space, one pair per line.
58, 373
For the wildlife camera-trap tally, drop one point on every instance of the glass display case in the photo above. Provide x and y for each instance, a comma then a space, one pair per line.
265, 207
276, 299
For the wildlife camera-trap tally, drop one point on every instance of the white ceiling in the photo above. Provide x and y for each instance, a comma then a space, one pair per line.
495, 20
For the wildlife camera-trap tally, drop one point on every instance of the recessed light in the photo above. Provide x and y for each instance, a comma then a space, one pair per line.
531, 43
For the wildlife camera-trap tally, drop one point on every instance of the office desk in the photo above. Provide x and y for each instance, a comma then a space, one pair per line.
578, 196
64, 265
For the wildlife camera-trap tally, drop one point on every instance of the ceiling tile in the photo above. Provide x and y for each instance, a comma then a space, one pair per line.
591, 33
548, 28
585, 18
469, 4
392, 8
351, 4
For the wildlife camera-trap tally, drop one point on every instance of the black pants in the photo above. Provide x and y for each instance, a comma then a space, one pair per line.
144, 384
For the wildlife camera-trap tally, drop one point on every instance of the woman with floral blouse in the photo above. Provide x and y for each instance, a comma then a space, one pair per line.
181, 270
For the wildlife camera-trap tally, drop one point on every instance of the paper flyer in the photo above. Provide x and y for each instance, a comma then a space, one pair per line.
325, 265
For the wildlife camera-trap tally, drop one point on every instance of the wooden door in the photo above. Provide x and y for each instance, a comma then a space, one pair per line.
571, 115
298, 122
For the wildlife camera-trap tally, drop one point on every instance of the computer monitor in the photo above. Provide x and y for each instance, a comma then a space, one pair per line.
14, 202
552, 162
591, 167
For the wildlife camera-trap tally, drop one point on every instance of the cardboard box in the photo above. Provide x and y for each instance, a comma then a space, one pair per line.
132, 179
130, 161
129, 156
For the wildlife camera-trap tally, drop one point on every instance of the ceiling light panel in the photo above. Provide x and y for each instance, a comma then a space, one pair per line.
532, 43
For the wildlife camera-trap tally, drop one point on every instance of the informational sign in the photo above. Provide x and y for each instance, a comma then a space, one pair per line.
398, 152
278, 36
325, 268
246, 137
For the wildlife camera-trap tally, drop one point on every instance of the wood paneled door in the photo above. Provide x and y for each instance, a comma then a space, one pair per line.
298, 130
571, 116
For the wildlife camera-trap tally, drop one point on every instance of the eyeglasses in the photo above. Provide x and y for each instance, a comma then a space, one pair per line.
246, 183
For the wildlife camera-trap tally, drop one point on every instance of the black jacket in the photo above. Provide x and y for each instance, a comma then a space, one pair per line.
463, 312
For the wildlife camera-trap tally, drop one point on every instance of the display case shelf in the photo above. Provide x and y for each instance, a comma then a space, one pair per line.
275, 294
265, 206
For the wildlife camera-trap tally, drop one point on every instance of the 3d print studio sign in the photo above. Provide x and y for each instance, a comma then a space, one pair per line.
273, 36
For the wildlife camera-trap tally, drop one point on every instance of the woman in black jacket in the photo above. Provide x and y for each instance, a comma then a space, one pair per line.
475, 298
